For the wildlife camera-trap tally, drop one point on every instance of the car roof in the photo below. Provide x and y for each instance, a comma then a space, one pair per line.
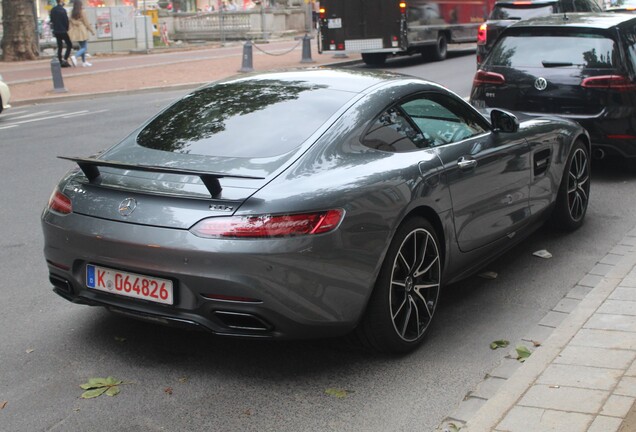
603, 20
353, 81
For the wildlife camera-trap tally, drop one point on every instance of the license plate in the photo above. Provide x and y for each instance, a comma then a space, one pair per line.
129, 284
334, 23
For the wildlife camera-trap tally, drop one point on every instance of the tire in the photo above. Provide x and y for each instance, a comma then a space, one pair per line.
374, 59
439, 51
574, 191
406, 292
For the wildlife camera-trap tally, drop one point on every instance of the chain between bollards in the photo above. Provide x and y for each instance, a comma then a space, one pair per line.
56, 74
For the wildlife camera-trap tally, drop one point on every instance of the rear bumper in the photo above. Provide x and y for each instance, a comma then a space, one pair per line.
303, 287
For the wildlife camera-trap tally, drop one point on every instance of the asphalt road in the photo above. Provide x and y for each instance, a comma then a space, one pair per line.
179, 380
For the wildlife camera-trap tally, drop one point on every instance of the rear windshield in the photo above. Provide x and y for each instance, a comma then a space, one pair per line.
503, 12
244, 119
582, 50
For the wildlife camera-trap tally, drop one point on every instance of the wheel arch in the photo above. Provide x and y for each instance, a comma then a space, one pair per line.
431, 215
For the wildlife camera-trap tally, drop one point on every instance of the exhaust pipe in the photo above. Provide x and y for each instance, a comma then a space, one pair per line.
598, 154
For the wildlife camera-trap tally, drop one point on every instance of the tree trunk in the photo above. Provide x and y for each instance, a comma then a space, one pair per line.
19, 41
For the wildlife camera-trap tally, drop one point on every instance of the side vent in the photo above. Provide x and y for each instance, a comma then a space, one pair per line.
541, 162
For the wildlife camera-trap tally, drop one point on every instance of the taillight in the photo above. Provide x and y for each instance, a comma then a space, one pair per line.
60, 203
482, 34
322, 13
267, 226
612, 82
483, 77
402, 7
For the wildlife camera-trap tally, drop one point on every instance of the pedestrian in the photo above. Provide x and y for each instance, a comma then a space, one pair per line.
78, 32
59, 22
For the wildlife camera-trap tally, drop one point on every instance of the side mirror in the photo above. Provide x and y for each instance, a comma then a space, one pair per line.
503, 121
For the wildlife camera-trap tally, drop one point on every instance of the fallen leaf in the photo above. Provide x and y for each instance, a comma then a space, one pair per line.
523, 353
30, 350
542, 254
98, 386
168, 390
502, 343
452, 427
535, 343
488, 275
247, 412
120, 339
93, 393
3, 404
338, 393
183, 379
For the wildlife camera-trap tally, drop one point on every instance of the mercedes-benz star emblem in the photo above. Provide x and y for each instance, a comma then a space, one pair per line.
540, 83
127, 206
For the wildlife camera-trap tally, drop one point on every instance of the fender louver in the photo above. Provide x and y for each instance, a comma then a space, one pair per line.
90, 168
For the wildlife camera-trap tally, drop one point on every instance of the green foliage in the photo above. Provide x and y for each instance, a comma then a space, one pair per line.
98, 386
338, 393
501, 343
523, 353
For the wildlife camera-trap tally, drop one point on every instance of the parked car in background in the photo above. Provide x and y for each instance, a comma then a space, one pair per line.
5, 95
582, 68
308, 204
505, 13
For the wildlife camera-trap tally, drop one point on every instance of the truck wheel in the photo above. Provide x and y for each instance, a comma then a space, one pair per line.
438, 51
406, 292
374, 59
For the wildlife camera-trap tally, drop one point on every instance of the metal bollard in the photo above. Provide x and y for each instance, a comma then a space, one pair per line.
247, 57
307, 50
56, 73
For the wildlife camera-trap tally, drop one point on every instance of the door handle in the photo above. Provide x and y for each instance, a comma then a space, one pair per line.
465, 164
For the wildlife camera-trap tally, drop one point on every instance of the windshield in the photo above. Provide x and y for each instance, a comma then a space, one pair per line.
582, 50
510, 12
243, 119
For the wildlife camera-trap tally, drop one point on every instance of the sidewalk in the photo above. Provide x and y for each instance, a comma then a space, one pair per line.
31, 82
582, 378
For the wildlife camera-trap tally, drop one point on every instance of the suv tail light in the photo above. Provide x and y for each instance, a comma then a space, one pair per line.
267, 226
482, 34
482, 77
60, 203
613, 82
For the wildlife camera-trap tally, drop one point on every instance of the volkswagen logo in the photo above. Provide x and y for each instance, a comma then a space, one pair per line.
127, 206
540, 83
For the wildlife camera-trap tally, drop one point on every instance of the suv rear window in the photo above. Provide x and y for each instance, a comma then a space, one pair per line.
510, 12
581, 50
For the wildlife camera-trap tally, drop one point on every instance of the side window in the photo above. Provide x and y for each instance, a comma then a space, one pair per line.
393, 132
443, 120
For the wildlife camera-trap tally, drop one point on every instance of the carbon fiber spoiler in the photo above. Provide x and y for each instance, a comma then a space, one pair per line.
90, 168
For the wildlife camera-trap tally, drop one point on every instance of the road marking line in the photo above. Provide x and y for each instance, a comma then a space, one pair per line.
79, 113
8, 127
47, 118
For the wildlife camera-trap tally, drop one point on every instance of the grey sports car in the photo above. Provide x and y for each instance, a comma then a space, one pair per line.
307, 204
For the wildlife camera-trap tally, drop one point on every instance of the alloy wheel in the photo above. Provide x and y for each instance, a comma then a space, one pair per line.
578, 184
415, 284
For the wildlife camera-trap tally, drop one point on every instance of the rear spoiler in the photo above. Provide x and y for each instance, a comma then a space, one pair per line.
90, 168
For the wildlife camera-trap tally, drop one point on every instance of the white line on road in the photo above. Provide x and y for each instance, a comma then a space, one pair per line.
48, 117
79, 113
8, 127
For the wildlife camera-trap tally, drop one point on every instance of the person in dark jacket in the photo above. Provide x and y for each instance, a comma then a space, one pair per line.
59, 24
